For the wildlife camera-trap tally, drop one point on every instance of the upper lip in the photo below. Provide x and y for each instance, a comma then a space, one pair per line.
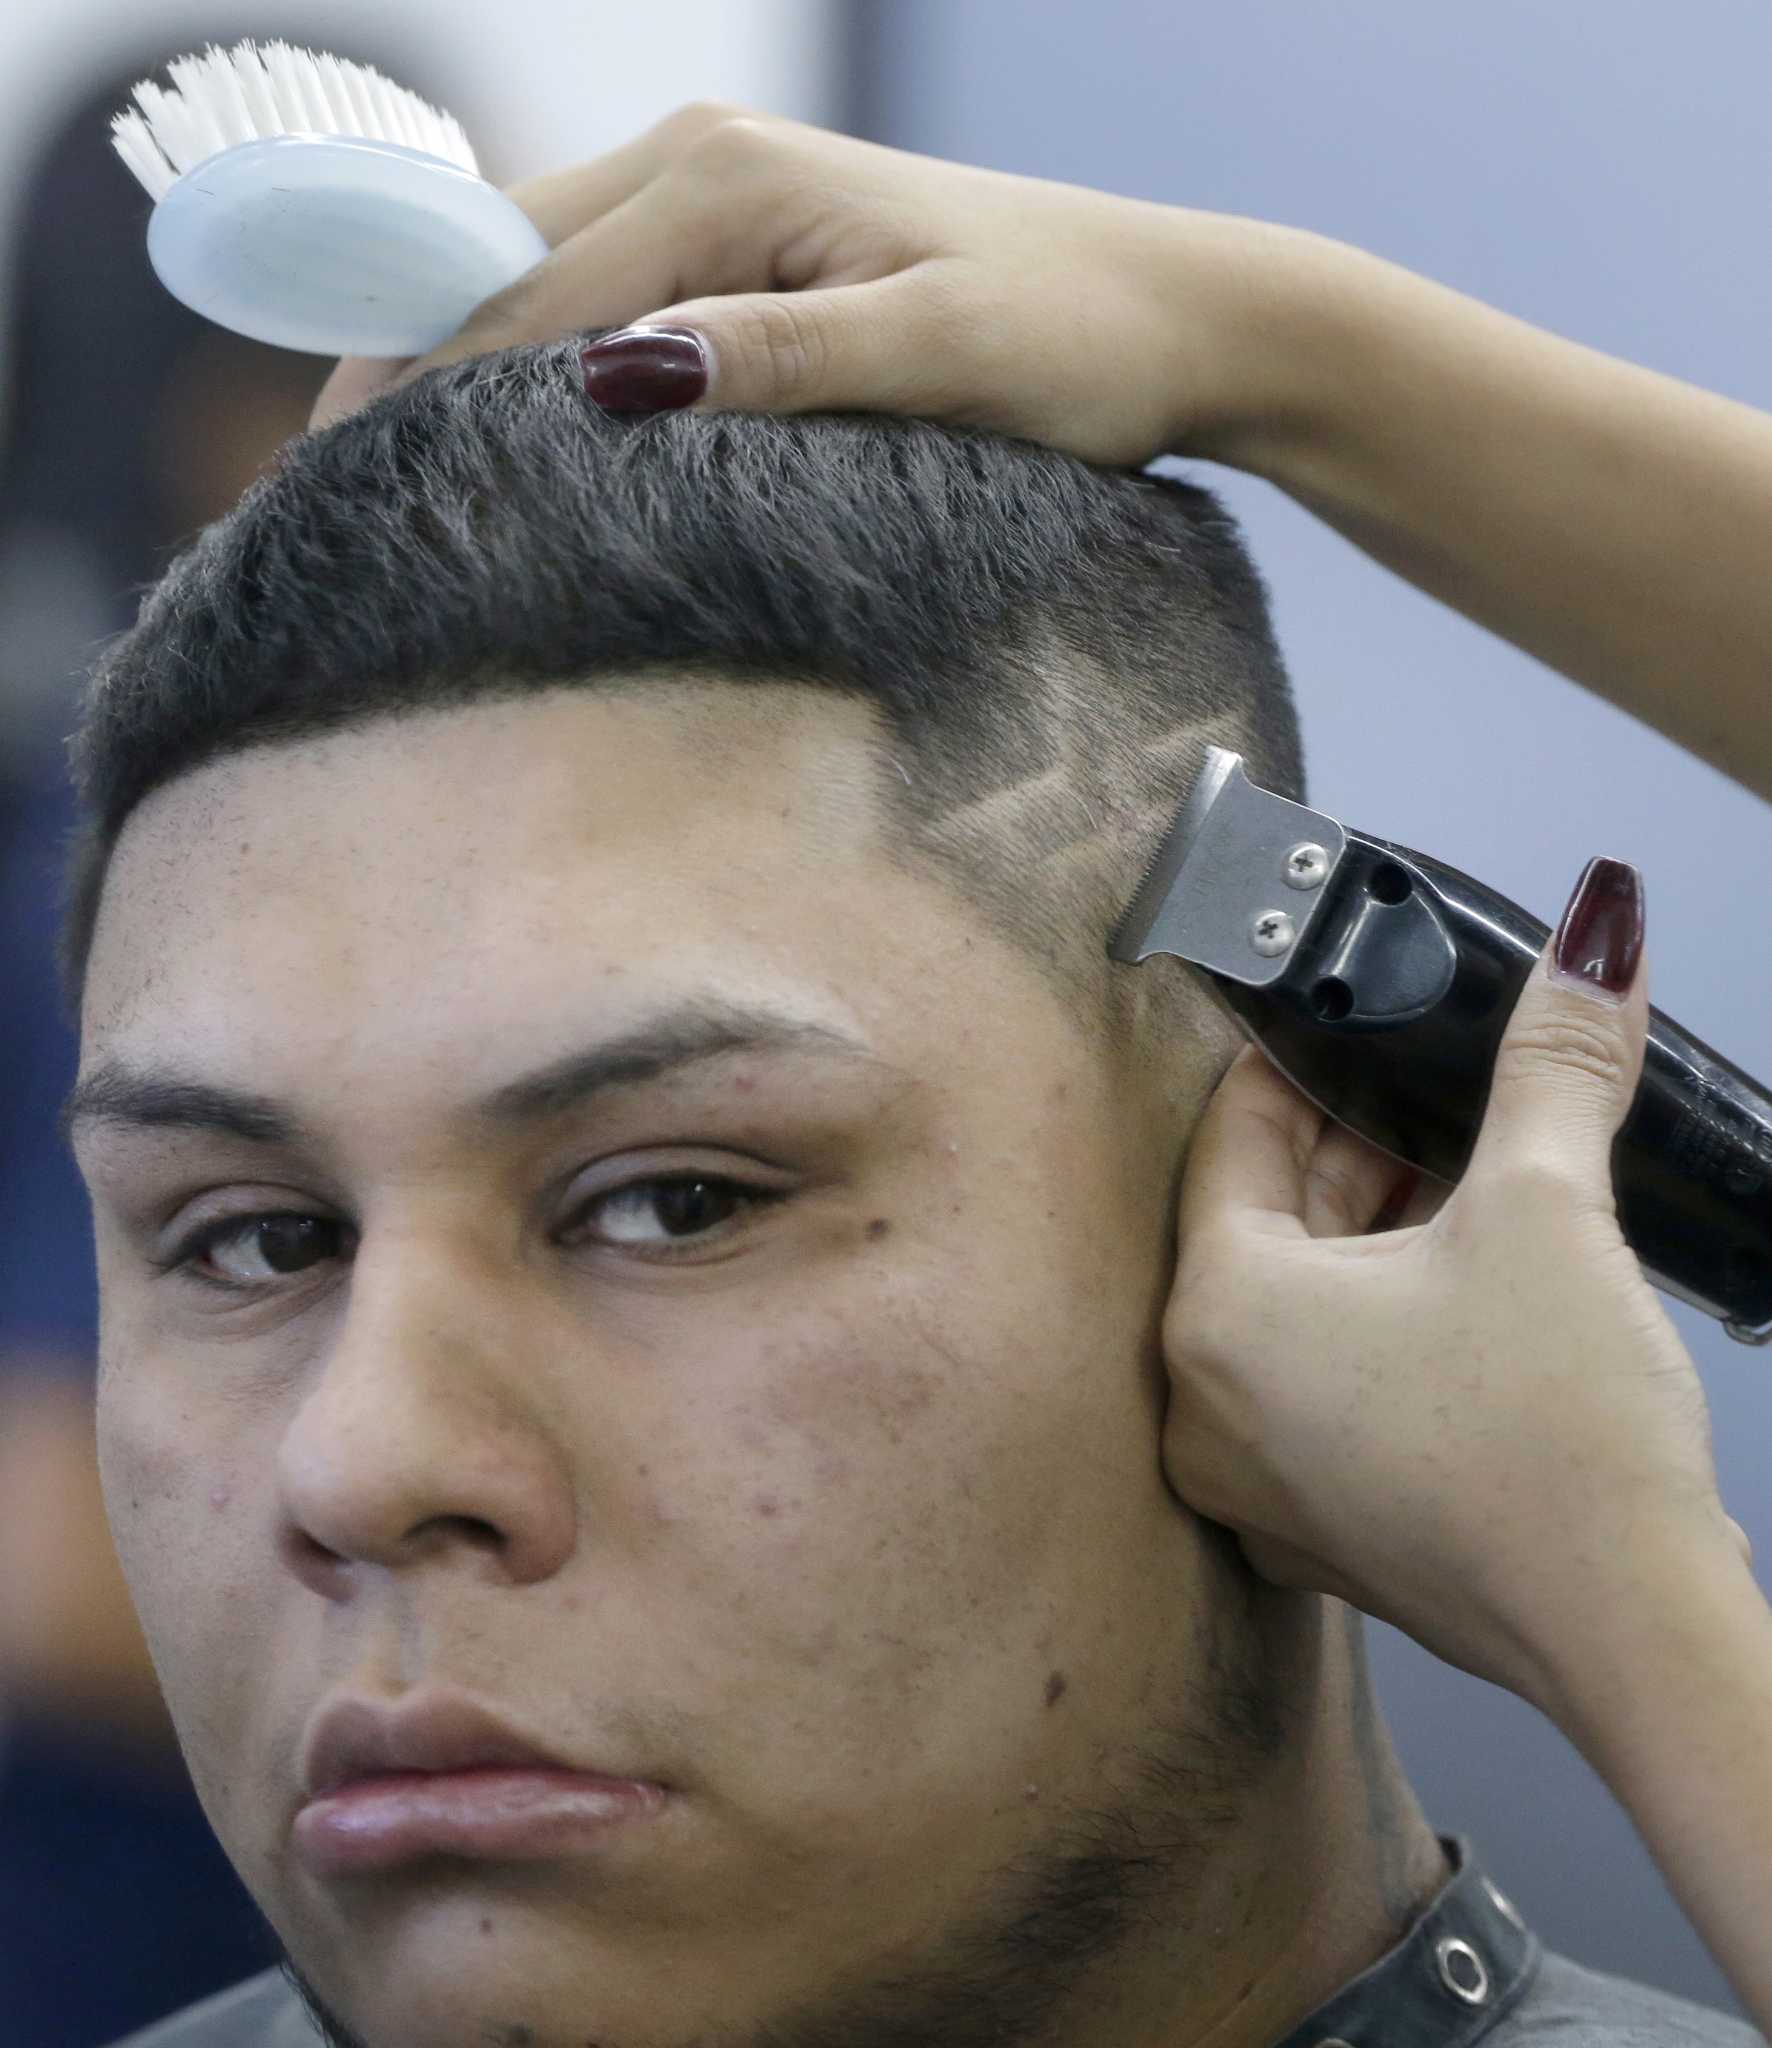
355, 1738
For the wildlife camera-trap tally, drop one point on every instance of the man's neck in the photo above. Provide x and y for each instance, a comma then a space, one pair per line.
1350, 1861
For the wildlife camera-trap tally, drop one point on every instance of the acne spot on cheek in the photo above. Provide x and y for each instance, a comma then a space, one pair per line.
878, 1228
768, 1507
219, 1496
485, 1926
744, 1083
1056, 1687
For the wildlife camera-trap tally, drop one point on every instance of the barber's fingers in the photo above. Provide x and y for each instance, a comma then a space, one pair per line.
1264, 1150
899, 344
1266, 1157
562, 202
638, 255
596, 277
563, 205
747, 207
354, 381
821, 273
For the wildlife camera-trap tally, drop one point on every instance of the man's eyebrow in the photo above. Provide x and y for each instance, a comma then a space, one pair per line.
119, 1094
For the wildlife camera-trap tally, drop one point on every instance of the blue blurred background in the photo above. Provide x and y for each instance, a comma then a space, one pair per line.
1584, 167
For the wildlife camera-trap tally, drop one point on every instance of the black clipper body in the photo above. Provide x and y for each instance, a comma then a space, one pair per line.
1380, 982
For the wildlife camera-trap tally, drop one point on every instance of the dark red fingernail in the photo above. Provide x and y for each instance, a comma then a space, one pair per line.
645, 369
1601, 937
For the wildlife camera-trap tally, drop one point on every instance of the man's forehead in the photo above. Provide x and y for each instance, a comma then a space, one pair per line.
448, 837
580, 749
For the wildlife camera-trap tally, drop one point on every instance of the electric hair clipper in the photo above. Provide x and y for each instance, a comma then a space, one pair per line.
1380, 982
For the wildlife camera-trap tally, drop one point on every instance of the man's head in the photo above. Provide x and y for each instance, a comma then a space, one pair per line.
643, 889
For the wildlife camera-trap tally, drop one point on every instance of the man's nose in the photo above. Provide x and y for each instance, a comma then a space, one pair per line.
428, 1427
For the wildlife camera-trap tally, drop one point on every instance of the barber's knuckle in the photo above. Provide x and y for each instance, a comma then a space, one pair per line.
1563, 1043
1204, 1335
1335, 1185
787, 346
934, 312
1211, 1310
687, 124
736, 147
510, 311
1539, 1188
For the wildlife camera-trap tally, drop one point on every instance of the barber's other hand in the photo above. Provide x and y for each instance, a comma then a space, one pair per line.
826, 274
1480, 1426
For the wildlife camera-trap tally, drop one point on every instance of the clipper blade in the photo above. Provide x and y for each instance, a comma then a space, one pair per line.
1238, 881
1131, 939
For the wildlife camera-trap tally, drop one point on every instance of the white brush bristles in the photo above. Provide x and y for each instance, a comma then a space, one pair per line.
247, 94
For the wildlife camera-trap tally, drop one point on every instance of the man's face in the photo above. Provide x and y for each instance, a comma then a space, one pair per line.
778, 1425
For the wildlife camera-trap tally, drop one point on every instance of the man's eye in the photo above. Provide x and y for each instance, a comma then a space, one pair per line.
278, 1243
657, 1212
653, 1216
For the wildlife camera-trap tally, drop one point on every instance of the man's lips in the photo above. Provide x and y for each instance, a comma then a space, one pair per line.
501, 1813
442, 1776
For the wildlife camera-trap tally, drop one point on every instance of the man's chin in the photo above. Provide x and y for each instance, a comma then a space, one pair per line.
462, 1956
482, 2019
327, 2024
486, 1990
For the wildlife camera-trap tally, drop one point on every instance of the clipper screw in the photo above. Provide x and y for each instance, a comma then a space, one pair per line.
1306, 865
1272, 932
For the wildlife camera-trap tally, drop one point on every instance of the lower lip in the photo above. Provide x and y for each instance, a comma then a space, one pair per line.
492, 1812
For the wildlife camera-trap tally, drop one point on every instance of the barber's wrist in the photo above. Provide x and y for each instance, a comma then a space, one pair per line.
1287, 306
1608, 1666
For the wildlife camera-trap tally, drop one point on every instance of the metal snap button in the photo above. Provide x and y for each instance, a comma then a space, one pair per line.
1504, 1905
1334, 2041
1461, 1970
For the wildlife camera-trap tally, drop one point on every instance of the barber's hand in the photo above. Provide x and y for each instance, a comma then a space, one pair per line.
1477, 1426
825, 274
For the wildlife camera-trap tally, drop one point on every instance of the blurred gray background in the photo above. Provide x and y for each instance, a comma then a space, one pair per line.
1602, 168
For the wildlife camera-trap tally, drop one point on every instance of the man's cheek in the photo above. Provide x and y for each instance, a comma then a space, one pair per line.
874, 1451
176, 1510
149, 1459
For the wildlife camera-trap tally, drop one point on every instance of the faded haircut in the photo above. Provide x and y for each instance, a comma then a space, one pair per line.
1048, 646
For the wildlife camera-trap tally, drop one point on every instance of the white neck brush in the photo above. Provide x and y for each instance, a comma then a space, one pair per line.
309, 202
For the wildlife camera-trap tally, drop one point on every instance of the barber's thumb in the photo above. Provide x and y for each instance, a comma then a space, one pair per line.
846, 348
1571, 1059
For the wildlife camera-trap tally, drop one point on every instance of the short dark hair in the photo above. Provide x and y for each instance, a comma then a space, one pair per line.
1049, 645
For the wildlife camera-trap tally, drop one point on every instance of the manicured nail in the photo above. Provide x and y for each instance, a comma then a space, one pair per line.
1600, 939
645, 369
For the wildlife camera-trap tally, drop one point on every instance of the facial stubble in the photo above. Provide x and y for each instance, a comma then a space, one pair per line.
1105, 1880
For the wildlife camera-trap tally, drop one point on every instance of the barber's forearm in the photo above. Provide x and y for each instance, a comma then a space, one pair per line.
1613, 522
1666, 1689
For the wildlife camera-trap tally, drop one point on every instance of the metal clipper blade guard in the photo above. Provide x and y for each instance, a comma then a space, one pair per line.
1380, 982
